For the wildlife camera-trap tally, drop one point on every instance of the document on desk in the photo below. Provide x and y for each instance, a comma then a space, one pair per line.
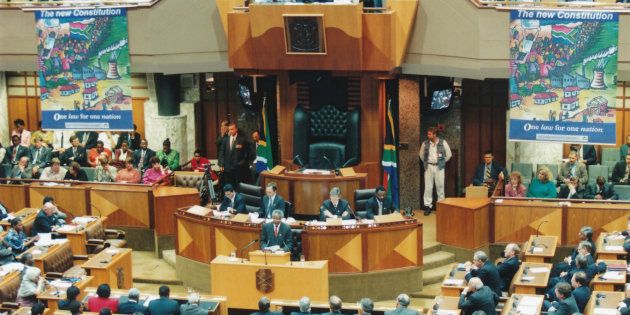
273, 248
454, 282
538, 250
604, 311
530, 301
83, 220
613, 248
68, 228
539, 270
527, 309
614, 275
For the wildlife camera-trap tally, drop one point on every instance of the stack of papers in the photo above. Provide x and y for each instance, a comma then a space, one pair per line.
539, 270
453, 282
8, 218
615, 237
445, 312
614, 275
530, 301
527, 309
68, 228
349, 222
613, 248
83, 220
61, 284
604, 311
538, 250
14, 266
48, 242
257, 220
198, 210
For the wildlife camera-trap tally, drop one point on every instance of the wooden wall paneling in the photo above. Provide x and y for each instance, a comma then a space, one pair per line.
68, 199
232, 239
372, 125
342, 250
15, 197
240, 41
609, 218
499, 135
470, 142
287, 101
391, 249
137, 105
378, 46
125, 209
194, 240
514, 222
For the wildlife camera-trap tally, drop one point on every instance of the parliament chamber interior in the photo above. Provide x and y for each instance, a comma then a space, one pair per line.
267, 157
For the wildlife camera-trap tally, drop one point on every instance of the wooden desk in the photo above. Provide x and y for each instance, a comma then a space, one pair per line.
41, 252
27, 215
308, 191
607, 300
111, 266
539, 281
470, 215
260, 257
610, 246
602, 283
10, 279
455, 275
69, 198
78, 238
516, 220
15, 197
543, 251
517, 302
237, 281
446, 303
167, 199
53, 295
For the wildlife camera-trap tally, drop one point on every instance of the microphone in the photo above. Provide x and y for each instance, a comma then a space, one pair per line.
265, 254
246, 246
349, 162
299, 161
97, 210
330, 163
537, 233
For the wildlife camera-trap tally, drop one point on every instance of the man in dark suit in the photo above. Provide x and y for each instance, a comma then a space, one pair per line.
485, 270
367, 306
586, 153
305, 307
40, 156
45, 221
164, 305
379, 204
402, 304
16, 151
334, 302
133, 303
263, 307
22, 170
508, 268
232, 201
234, 157
75, 153
132, 138
621, 172
142, 156
271, 201
581, 291
601, 190
335, 206
566, 304
571, 190
87, 139
276, 233
478, 297
488, 173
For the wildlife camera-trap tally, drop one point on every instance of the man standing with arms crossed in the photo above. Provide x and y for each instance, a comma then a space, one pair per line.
434, 154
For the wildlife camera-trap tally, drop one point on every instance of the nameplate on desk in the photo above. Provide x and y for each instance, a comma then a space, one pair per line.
347, 171
388, 218
241, 217
277, 170
198, 210
334, 221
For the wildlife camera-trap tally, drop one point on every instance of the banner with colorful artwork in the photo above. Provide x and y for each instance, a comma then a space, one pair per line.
84, 75
563, 76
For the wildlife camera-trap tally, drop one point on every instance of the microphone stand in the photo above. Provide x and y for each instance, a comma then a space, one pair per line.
536, 238
246, 246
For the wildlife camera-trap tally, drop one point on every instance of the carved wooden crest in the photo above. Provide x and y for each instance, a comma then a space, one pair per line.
264, 280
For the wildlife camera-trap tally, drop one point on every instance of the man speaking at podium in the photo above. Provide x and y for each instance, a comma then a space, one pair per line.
276, 233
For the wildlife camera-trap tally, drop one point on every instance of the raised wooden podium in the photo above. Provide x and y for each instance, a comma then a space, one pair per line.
241, 281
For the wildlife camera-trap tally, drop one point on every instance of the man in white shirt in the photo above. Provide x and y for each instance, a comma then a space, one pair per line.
434, 154
54, 171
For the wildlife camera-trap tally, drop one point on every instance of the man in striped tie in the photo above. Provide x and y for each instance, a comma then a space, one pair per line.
488, 173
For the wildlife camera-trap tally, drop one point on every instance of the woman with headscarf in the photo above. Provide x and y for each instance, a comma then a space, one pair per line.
32, 285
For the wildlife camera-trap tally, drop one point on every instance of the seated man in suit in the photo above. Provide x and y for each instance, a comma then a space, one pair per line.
379, 204
15, 151
586, 153
334, 302
40, 156
232, 201
621, 172
367, 306
482, 268
263, 307
566, 304
270, 202
305, 306
581, 291
192, 307
22, 170
335, 207
276, 233
142, 156
573, 169
571, 190
45, 221
488, 173
164, 305
402, 304
509, 266
87, 139
75, 153
624, 307
601, 190
478, 297
133, 303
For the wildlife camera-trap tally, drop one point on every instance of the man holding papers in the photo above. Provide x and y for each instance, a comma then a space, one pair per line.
276, 234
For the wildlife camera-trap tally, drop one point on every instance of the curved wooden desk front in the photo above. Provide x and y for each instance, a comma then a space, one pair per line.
308, 191
359, 249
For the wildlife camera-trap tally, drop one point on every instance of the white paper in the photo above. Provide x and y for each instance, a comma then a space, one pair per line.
67, 228
454, 282
538, 250
83, 220
527, 309
539, 270
445, 312
614, 275
272, 248
527, 278
112, 251
604, 311
615, 237
8, 218
498, 201
257, 220
290, 220
14, 266
529, 301
149, 299
348, 222
315, 171
44, 237
61, 284
613, 248
48, 243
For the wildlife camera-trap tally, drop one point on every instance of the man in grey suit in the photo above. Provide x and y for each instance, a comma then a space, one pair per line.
22, 170
192, 307
305, 307
40, 156
402, 302
573, 169
271, 201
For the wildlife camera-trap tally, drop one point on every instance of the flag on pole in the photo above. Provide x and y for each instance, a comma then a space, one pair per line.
390, 157
264, 158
